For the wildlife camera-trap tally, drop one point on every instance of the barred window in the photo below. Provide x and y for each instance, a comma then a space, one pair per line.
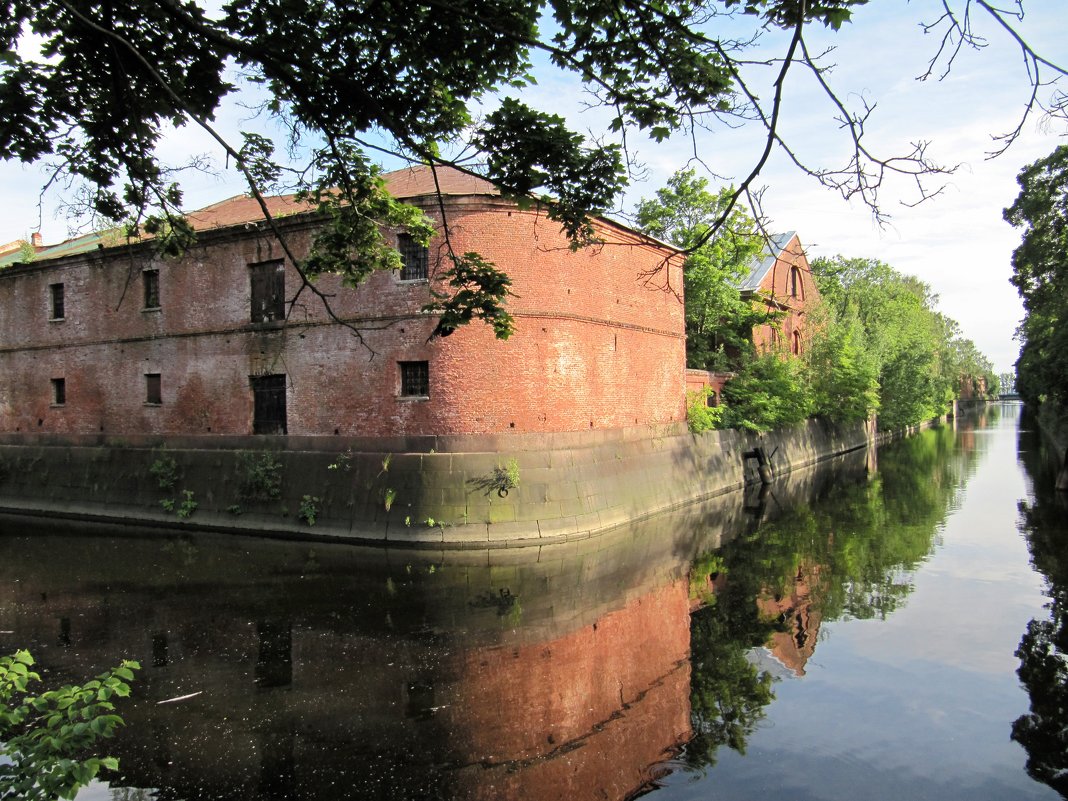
59, 391
150, 282
414, 258
415, 379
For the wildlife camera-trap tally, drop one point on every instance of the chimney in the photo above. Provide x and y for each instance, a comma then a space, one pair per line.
36, 240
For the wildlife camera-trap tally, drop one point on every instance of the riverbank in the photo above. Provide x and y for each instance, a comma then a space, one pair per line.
454, 492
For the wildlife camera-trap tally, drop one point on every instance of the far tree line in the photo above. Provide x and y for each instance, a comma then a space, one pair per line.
876, 343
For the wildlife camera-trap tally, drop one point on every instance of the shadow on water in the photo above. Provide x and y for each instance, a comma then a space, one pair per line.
581, 670
1043, 651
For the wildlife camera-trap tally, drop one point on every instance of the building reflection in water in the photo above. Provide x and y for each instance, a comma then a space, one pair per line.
320, 671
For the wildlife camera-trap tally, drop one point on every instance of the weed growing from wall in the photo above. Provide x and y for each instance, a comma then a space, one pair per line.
309, 509
259, 475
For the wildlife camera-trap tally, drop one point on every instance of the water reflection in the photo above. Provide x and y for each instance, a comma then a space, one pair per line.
284, 671
1043, 650
602, 669
847, 554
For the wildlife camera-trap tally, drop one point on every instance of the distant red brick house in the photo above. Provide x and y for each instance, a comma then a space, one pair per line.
782, 281
97, 335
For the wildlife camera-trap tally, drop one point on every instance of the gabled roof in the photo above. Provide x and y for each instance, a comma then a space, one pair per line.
762, 265
405, 184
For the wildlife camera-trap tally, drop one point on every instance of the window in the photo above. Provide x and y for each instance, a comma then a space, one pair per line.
414, 259
268, 404
153, 389
56, 296
150, 284
797, 285
797, 344
59, 391
415, 379
268, 281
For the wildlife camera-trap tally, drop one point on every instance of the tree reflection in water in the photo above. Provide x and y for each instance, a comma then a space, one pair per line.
847, 554
1043, 650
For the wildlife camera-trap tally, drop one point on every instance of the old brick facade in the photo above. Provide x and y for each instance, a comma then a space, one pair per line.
782, 281
138, 344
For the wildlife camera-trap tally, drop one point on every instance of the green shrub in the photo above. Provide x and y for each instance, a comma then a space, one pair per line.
260, 476
768, 392
699, 415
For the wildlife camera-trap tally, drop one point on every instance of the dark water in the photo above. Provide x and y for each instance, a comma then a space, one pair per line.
854, 634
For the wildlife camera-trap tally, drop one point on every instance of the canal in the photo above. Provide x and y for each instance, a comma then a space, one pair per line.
880, 627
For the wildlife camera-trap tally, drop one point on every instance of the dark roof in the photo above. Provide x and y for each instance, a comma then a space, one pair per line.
762, 265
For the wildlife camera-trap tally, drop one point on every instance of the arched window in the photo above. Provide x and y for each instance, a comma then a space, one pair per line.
796, 344
797, 284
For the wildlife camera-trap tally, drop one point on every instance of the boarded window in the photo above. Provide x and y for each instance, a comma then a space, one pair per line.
59, 391
269, 404
415, 379
58, 310
414, 258
150, 284
268, 281
153, 388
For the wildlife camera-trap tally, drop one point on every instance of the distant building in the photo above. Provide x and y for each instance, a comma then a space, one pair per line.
782, 281
98, 335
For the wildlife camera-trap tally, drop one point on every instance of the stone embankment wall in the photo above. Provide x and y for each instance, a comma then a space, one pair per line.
465, 491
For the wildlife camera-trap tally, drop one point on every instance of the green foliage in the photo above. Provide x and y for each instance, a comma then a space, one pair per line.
699, 415
480, 291
44, 738
507, 476
260, 476
771, 391
165, 470
1040, 273
389, 497
881, 322
844, 376
719, 321
309, 509
187, 505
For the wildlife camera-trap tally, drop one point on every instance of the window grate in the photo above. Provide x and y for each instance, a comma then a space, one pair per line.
150, 281
414, 259
415, 379
59, 391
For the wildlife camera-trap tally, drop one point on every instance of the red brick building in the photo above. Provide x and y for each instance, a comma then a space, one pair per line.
782, 281
97, 335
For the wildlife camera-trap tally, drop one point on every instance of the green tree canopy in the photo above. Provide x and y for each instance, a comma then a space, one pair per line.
91, 88
719, 321
1040, 273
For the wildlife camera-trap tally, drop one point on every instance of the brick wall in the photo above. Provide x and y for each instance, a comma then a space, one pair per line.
795, 306
596, 344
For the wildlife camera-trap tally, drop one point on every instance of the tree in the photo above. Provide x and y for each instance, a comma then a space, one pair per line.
44, 738
902, 334
1040, 273
719, 321
90, 88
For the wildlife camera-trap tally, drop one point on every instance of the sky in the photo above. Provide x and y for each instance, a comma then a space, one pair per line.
957, 242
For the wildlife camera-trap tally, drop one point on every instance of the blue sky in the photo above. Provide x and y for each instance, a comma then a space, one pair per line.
957, 242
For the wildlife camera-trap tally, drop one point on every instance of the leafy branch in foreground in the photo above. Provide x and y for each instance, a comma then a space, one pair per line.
90, 89
45, 738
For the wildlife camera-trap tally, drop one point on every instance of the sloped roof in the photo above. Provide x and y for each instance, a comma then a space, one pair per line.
762, 265
407, 183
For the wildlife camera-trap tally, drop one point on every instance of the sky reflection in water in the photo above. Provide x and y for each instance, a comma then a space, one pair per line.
891, 606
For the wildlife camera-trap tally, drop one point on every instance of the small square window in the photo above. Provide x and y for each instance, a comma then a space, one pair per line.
415, 379
150, 284
59, 391
153, 389
414, 258
55, 292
